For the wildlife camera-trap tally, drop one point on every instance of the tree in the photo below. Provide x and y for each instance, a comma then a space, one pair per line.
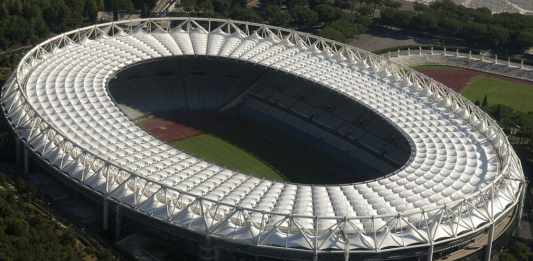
497, 36
524, 39
222, 7
392, 4
90, 10
332, 33
244, 14
277, 16
304, 17
39, 28
55, 14
16, 227
506, 256
265, 3
450, 25
3, 10
424, 22
474, 32
485, 103
188, 5
397, 18
122, 5
296, 3
205, 6
100, 4
520, 250
498, 113
345, 4
327, 13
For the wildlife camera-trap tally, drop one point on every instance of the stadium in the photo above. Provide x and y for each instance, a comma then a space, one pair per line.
392, 164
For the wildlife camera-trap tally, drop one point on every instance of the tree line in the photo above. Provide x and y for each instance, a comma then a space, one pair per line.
336, 19
26, 233
504, 32
24, 22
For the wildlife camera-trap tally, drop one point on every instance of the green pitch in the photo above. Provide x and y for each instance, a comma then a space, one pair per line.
516, 95
223, 153
499, 90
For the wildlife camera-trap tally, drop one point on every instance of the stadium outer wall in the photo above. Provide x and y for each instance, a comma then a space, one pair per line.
18, 120
113, 214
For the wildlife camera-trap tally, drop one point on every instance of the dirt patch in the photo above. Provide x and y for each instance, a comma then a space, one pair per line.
167, 130
455, 78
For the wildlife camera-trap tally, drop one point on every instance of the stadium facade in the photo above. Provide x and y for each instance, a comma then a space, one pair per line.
461, 179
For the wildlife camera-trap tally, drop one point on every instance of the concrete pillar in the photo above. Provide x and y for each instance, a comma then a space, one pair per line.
482, 57
496, 59
457, 52
408, 51
430, 253
470, 55
522, 64
488, 251
444, 51
432, 50
26, 161
508, 61
420, 50
18, 151
105, 215
118, 223
398, 52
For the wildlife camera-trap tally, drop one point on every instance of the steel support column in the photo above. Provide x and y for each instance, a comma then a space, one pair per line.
105, 215
430, 253
26, 162
18, 151
521, 204
488, 251
118, 222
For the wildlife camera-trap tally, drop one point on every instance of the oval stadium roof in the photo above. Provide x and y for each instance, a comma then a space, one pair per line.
462, 173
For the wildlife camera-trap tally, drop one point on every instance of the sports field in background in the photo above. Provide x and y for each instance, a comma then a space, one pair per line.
517, 94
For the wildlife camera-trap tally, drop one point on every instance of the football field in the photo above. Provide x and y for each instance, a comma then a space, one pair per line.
257, 150
223, 153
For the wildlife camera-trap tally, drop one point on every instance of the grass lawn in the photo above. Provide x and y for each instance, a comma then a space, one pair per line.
223, 153
475, 85
516, 95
